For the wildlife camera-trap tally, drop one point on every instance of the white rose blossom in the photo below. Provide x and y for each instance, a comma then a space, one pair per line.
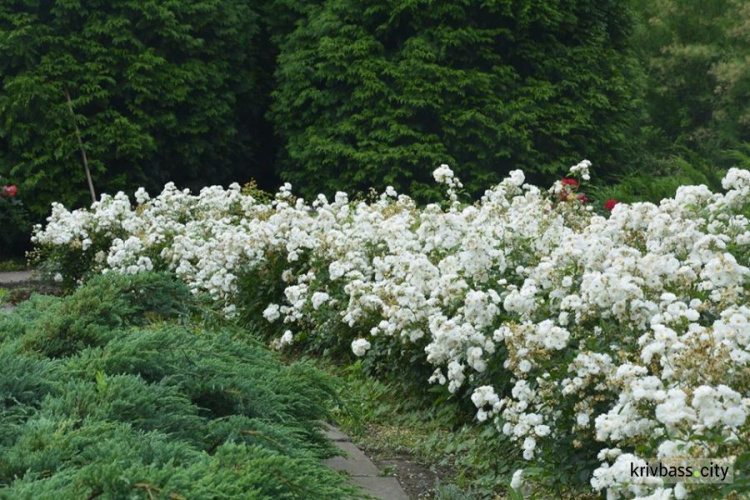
629, 330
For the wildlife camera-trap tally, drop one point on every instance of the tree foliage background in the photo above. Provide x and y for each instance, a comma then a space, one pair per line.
376, 93
348, 94
161, 90
697, 57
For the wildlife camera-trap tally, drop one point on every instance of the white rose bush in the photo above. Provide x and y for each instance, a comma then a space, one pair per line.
589, 339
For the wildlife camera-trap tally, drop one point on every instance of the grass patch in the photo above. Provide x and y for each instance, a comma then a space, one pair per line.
13, 265
470, 461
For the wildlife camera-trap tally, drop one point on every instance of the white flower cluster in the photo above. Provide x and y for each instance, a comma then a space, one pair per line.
630, 331
582, 170
444, 175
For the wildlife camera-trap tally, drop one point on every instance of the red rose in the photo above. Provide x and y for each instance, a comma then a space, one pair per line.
582, 198
610, 204
569, 182
9, 191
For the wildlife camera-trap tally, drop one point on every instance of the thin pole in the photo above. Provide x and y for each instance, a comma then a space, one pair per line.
83, 150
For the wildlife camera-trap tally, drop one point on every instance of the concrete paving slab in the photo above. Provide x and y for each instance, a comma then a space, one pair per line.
333, 433
354, 463
384, 488
362, 472
12, 277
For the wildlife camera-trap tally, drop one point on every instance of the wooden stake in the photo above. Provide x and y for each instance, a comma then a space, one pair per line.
83, 150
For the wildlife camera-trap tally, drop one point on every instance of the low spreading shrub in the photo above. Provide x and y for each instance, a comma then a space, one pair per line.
593, 335
105, 394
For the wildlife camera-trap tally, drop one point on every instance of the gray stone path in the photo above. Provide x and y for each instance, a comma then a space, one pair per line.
10, 279
15, 277
361, 470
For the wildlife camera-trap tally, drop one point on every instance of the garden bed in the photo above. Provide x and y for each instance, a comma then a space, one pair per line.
579, 335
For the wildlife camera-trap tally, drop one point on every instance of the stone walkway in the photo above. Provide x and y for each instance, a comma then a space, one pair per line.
361, 470
12, 279
15, 277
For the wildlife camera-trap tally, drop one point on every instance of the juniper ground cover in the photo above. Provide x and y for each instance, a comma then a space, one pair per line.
118, 391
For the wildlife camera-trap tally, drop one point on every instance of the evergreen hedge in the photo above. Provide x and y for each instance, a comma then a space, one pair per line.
161, 90
373, 93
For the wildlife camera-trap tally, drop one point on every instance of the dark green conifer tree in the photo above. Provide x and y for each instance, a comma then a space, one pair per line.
375, 92
161, 90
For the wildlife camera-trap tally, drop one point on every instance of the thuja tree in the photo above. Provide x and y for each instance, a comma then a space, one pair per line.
159, 89
375, 92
